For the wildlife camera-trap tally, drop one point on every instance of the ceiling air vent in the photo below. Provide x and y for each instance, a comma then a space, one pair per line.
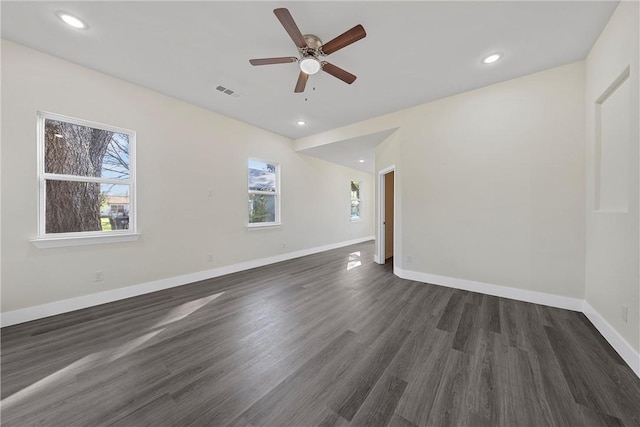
228, 91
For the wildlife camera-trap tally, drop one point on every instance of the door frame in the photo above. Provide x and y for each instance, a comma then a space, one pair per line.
379, 256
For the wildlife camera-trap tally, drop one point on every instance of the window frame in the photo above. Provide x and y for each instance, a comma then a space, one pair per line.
44, 239
277, 217
359, 199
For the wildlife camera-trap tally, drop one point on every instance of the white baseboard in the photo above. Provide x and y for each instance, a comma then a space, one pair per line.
64, 306
551, 300
628, 353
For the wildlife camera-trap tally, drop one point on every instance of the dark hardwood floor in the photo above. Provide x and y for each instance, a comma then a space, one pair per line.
328, 339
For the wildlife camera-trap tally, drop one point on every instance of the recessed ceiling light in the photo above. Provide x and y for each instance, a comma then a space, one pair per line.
492, 58
72, 21
361, 161
301, 122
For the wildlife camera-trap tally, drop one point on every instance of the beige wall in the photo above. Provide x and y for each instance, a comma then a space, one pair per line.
387, 155
490, 183
612, 241
497, 176
183, 153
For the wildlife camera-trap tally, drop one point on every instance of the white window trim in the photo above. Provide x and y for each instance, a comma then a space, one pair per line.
359, 217
262, 225
274, 224
44, 240
59, 242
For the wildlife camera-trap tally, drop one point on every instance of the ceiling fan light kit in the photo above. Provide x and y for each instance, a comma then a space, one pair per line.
311, 48
309, 65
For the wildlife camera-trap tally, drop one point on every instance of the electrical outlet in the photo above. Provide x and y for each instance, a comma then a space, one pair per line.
210, 193
284, 245
210, 258
624, 313
99, 276
408, 259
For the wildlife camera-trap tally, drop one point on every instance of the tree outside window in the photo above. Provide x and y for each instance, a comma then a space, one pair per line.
86, 177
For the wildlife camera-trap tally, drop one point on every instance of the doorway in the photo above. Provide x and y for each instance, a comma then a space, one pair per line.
386, 215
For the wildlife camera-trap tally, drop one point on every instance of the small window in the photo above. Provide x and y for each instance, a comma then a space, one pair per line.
86, 174
264, 193
356, 203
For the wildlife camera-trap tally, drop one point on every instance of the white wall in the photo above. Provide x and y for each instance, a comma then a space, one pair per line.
490, 183
612, 240
387, 155
183, 152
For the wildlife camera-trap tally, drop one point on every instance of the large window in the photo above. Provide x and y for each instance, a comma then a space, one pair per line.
264, 193
355, 201
86, 173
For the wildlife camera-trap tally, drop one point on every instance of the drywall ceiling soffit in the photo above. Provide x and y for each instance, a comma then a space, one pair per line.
350, 152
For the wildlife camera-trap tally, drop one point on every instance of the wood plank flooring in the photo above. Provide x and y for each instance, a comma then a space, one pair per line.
319, 340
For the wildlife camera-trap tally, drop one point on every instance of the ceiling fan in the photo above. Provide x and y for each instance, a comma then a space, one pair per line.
311, 50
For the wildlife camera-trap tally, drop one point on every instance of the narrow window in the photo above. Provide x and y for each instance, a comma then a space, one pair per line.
264, 193
87, 185
356, 203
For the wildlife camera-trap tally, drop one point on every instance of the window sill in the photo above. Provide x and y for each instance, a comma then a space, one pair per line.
263, 226
59, 242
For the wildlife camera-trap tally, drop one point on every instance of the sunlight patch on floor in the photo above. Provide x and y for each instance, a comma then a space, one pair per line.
354, 260
186, 309
68, 373
127, 348
49, 381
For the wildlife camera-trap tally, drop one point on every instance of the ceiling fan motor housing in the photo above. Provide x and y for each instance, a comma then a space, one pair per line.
313, 45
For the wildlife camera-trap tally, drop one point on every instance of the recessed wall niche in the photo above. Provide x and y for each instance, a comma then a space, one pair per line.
613, 139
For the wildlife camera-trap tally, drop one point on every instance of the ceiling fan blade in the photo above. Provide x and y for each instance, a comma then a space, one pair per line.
290, 26
344, 39
338, 72
302, 82
269, 61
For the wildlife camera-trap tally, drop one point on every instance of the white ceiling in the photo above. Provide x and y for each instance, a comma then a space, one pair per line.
414, 52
